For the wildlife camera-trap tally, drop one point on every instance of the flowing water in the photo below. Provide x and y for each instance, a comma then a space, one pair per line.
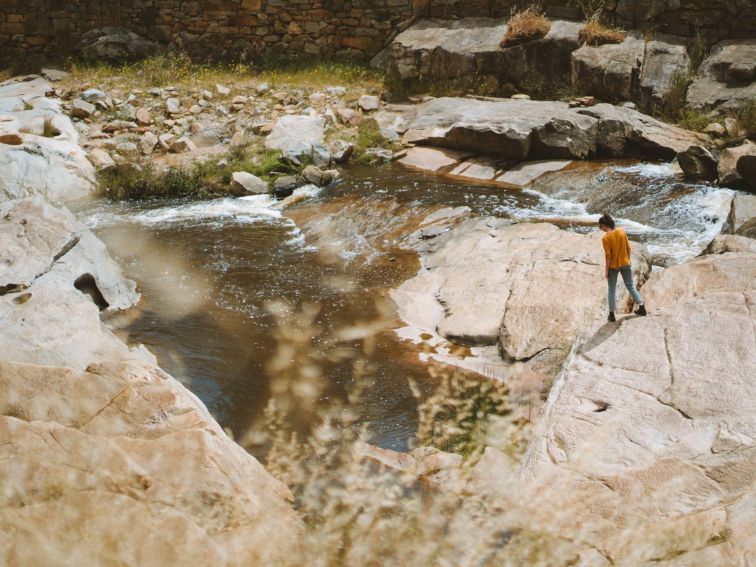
208, 269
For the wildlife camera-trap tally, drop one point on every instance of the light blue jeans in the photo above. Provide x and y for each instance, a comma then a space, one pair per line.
627, 277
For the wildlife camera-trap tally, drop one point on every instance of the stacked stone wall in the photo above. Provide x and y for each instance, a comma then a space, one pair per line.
230, 29
239, 29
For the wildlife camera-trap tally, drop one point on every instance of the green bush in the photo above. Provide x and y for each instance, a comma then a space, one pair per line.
200, 180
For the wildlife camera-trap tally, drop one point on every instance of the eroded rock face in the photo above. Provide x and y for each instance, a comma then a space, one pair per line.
124, 453
748, 229
513, 129
624, 131
94, 437
530, 288
637, 69
731, 243
610, 72
524, 129
699, 276
727, 77
445, 48
53, 167
664, 57
652, 426
742, 210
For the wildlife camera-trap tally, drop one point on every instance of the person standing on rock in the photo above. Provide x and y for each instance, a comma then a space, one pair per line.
617, 253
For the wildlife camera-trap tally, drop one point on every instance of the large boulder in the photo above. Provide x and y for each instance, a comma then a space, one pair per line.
696, 277
45, 158
56, 279
728, 173
742, 210
114, 45
748, 229
539, 64
731, 243
637, 69
664, 58
747, 170
296, 135
513, 129
727, 78
530, 288
698, 164
57, 170
624, 131
610, 72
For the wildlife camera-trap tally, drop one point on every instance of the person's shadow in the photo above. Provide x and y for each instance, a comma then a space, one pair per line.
604, 333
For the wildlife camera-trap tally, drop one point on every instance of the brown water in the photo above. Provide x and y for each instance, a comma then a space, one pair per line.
207, 269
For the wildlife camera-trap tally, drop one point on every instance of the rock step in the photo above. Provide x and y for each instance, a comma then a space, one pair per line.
519, 130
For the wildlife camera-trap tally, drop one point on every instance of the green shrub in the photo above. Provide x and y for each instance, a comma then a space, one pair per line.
456, 418
200, 180
693, 120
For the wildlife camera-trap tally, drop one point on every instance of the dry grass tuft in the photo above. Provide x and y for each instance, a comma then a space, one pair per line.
595, 33
525, 26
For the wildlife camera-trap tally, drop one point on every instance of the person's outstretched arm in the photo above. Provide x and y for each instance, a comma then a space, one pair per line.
607, 256
627, 248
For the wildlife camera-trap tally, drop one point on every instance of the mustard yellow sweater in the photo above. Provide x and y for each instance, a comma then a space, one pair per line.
616, 248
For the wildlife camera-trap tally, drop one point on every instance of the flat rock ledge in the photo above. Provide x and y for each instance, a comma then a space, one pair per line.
513, 142
530, 288
650, 431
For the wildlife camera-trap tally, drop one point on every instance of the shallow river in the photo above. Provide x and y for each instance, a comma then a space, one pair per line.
207, 269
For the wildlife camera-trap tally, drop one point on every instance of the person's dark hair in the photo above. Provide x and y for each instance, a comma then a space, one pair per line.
607, 221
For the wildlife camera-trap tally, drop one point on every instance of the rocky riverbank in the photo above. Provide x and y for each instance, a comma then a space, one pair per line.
106, 457
647, 422
648, 429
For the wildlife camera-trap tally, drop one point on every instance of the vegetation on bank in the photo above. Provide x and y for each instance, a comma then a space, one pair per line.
594, 32
177, 69
526, 25
357, 511
200, 179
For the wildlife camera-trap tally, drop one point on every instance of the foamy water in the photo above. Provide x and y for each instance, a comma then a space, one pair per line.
242, 210
673, 218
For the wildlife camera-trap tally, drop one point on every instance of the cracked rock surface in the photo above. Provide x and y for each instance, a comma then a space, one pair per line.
653, 423
50, 164
104, 458
531, 288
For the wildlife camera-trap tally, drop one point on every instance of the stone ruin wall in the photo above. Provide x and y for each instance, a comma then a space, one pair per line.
235, 29
228, 29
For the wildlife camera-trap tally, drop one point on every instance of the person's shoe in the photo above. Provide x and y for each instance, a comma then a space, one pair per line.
641, 312
612, 318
